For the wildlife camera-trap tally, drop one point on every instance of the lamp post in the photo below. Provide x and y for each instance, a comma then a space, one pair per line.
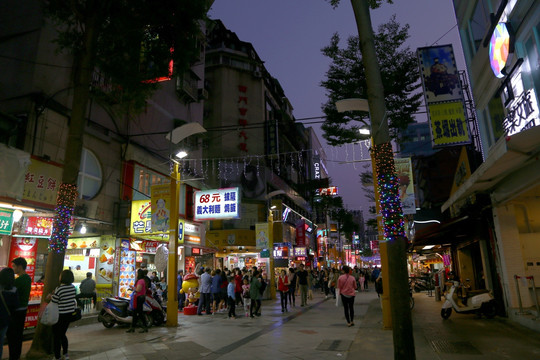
175, 136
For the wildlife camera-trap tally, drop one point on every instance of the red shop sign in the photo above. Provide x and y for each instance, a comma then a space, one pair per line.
25, 247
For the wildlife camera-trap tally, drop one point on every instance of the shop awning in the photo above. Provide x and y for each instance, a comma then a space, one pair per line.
443, 233
505, 158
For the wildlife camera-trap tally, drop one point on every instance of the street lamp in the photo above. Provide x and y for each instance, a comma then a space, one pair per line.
175, 136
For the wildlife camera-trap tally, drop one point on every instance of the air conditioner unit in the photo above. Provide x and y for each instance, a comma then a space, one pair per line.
257, 74
203, 94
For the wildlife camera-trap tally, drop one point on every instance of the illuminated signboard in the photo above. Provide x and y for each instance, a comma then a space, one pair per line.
6, 221
330, 191
500, 49
217, 204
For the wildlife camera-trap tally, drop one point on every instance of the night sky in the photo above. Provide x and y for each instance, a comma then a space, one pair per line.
288, 36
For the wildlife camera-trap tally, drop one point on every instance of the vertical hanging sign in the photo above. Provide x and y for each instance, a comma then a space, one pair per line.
242, 121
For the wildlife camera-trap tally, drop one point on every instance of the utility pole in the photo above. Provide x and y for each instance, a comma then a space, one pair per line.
388, 189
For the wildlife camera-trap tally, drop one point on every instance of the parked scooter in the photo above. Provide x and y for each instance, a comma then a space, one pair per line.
116, 311
463, 300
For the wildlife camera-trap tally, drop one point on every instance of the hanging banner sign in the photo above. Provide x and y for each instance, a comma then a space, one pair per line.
41, 183
300, 233
406, 186
141, 221
262, 236
218, 204
161, 207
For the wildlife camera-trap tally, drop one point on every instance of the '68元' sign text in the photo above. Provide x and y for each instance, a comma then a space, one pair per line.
217, 204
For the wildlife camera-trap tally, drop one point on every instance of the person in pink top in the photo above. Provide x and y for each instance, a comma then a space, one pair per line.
139, 297
347, 290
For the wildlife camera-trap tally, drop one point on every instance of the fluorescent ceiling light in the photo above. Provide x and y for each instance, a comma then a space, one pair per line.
364, 131
20, 207
427, 247
181, 154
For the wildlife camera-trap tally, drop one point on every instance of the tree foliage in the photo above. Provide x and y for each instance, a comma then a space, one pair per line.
134, 39
374, 4
346, 79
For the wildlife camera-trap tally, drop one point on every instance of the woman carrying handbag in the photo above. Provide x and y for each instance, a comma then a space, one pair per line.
8, 302
64, 297
139, 297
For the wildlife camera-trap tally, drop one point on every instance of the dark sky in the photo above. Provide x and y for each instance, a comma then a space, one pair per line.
288, 36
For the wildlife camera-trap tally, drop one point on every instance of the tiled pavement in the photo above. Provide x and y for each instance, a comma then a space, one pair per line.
314, 332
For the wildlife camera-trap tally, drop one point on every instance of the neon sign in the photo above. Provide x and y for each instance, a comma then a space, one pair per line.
500, 48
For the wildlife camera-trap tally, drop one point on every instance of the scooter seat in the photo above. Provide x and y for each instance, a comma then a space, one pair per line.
119, 303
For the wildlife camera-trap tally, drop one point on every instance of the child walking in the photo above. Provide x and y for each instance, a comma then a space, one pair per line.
231, 297
245, 296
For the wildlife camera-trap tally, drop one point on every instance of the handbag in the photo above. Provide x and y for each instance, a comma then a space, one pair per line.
4, 302
76, 314
50, 314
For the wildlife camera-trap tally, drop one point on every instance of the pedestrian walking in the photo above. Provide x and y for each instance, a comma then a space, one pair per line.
366, 279
347, 290
23, 284
181, 295
245, 296
238, 286
292, 287
139, 297
204, 289
283, 288
302, 283
254, 294
361, 281
332, 281
311, 284
9, 300
64, 297
231, 297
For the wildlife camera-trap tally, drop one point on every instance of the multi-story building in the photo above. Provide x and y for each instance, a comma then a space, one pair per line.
254, 142
501, 41
123, 155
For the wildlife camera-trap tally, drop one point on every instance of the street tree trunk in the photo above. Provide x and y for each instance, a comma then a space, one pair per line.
83, 65
388, 189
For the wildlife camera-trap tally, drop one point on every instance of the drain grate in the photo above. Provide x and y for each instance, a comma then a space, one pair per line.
334, 345
454, 347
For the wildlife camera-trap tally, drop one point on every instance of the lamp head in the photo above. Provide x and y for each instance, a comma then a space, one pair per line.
181, 154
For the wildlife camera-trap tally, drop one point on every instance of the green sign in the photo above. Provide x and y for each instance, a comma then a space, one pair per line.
6, 221
265, 253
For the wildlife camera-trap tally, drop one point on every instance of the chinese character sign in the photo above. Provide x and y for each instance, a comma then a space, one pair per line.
141, 218
300, 234
406, 185
161, 208
39, 226
217, 204
41, 183
6, 221
448, 124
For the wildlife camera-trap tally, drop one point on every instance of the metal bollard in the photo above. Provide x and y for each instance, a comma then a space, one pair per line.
437, 293
521, 312
534, 296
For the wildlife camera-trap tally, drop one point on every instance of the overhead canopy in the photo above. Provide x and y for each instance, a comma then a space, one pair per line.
506, 158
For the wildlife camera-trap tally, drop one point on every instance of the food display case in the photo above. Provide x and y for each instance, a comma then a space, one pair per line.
127, 272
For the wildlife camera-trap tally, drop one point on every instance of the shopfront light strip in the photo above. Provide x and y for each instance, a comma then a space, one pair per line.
31, 236
19, 207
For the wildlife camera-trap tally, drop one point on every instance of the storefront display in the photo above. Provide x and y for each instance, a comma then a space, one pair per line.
25, 247
127, 269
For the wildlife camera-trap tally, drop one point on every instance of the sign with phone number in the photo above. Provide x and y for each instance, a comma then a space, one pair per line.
217, 204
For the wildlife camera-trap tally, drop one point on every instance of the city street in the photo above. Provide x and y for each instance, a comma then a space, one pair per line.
318, 331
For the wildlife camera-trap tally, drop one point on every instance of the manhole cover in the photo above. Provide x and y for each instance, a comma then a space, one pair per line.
334, 345
454, 347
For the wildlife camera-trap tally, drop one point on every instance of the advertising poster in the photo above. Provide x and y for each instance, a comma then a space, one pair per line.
406, 186
439, 72
141, 220
161, 207
39, 226
448, 124
25, 247
262, 236
301, 233
105, 268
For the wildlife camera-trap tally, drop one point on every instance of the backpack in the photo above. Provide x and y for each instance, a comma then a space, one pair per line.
263, 286
378, 286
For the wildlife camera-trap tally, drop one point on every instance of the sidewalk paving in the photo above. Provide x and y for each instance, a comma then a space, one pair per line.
317, 331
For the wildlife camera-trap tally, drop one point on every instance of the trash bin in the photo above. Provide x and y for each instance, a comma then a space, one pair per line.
437, 293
